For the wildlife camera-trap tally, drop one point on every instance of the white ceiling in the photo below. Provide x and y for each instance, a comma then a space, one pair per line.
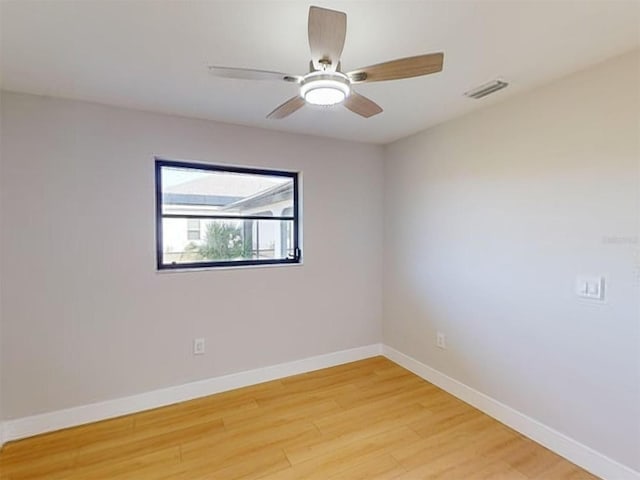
152, 55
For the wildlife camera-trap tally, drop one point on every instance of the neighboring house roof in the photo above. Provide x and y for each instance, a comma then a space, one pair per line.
230, 191
190, 199
226, 184
278, 193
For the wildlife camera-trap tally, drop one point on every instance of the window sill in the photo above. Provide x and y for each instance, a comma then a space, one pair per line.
230, 267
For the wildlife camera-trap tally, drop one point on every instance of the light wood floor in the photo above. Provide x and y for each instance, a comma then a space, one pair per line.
365, 420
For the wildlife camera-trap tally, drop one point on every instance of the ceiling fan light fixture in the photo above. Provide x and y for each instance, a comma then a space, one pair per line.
325, 88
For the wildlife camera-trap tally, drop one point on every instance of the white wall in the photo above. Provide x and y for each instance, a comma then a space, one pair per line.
489, 218
1, 367
85, 315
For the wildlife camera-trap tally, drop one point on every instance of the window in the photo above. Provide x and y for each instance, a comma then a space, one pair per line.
213, 215
193, 229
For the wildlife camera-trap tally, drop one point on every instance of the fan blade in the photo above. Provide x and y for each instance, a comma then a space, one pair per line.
251, 74
287, 108
327, 31
362, 105
401, 68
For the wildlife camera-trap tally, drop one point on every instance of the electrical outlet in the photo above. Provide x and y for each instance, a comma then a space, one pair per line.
198, 346
441, 340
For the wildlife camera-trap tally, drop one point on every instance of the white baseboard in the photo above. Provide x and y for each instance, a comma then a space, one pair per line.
47, 422
559, 443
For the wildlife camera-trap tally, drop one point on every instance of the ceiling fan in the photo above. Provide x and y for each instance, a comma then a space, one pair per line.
326, 84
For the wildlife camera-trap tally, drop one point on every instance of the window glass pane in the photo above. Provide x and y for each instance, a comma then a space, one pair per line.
191, 191
225, 240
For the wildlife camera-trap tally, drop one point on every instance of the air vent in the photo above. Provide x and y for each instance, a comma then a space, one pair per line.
486, 89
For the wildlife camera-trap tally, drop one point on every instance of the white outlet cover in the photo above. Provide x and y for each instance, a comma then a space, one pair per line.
198, 346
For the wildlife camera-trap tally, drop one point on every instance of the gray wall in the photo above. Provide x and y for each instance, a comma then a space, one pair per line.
1, 281
85, 315
490, 218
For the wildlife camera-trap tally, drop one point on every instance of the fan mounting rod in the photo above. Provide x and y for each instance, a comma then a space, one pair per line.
325, 87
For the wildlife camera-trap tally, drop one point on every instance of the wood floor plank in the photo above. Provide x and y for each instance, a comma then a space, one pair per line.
377, 468
302, 408
370, 419
336, 460
145, 442
248, 467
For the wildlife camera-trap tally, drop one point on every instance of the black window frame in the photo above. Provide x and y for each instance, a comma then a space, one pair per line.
160, 163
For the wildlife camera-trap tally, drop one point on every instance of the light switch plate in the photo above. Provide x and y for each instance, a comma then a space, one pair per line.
591, 287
